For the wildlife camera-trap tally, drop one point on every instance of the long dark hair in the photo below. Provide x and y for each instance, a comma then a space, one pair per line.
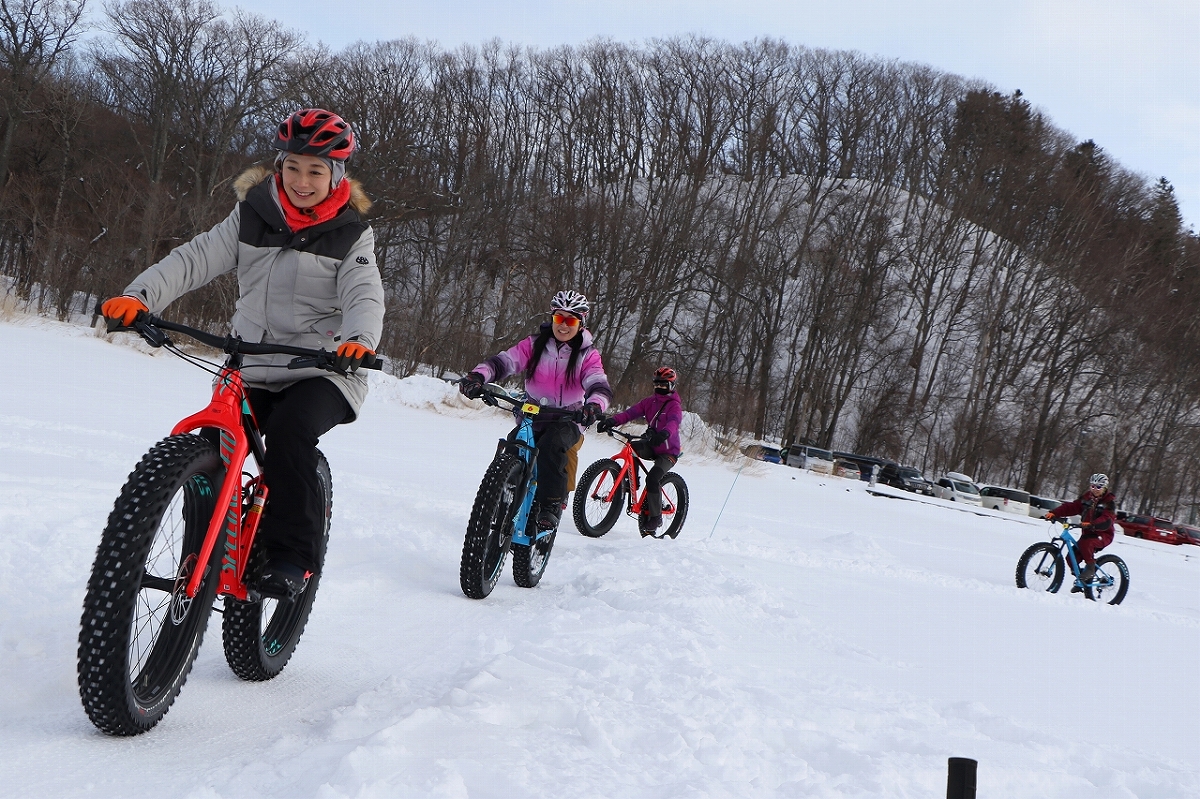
539, 346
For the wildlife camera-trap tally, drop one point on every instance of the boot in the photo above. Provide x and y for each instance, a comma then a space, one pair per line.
549, 512
1088, 573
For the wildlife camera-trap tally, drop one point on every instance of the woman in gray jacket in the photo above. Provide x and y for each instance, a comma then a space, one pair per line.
307, 277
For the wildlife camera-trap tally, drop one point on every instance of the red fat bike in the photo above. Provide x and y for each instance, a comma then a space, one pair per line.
179, 535
613, 484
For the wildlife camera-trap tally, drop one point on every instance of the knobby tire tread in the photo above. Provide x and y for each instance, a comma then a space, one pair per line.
182, 463
583, 493
490, 515
682, 499
247, 651
1115, 567
1023, 565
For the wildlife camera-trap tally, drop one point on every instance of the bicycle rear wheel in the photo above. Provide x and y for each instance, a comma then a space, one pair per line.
599, 499
489, 531
1041, 568
261, 635
674, 503
529, 561
140, 631
1113, 575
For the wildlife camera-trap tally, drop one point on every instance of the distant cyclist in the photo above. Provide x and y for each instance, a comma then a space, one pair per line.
562, 369
663, 412
1097, 509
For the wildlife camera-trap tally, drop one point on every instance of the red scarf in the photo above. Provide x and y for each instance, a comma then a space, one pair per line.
299, 218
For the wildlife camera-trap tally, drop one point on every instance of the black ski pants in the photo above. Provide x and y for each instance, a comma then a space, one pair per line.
292, 421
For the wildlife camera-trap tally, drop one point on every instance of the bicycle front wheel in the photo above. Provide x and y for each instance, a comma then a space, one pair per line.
489, 532
1041, 568
674, 503
261, 635
599, 499
1113, 577
140, 631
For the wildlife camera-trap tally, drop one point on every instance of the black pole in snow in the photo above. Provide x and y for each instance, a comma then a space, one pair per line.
960, 782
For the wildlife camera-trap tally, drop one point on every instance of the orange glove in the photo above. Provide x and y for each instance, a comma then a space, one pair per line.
351, 355
124, 309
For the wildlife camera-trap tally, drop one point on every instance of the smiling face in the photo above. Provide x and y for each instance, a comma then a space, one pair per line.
306, 180
565, 325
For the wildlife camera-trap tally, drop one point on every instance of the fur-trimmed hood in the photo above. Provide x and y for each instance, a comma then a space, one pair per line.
257, 174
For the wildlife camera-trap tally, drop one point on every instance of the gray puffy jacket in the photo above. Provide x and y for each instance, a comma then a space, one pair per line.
315, 288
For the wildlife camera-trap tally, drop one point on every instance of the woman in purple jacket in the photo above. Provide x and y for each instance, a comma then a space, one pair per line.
563, 370
663, 412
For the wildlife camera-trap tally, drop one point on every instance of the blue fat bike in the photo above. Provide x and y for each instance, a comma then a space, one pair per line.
501, 518
1043, 566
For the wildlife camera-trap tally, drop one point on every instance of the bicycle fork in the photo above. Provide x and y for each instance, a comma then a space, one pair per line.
527, 490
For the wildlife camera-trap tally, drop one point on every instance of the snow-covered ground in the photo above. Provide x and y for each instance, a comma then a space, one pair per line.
813, 641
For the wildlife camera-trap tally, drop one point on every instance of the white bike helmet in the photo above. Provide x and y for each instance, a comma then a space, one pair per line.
1099, 481
572, 302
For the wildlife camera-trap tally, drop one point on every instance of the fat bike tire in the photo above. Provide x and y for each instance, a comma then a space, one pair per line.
489, 532
1041, 566
529, 560
1115, 568
260, 635
674, 503
140, 632
598, 500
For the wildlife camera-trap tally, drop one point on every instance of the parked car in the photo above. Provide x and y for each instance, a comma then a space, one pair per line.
1151, 528
1040, 506
956, 489
1188, 534
1010, 500
865, 463
845, 468
763, 452
811, 458
907, 478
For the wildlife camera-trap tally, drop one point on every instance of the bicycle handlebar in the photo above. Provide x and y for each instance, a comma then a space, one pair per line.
491, 396
151, 328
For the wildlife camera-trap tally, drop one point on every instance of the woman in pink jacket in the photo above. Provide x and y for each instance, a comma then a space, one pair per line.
663, 412
562, 369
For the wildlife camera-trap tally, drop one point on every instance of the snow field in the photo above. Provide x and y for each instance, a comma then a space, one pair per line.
820, 641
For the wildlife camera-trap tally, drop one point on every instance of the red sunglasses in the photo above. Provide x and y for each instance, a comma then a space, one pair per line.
566, 319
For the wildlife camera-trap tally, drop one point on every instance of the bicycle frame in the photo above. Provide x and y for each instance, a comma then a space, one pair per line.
229, 413
1068, 545
520, 441
632, 470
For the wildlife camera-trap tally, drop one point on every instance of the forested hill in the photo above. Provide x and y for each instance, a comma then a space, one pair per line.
867, 254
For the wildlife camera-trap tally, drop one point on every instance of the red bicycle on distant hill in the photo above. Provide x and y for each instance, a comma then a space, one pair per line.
610, 484
180, 534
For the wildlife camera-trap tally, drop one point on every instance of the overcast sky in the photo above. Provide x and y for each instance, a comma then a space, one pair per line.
1126, 74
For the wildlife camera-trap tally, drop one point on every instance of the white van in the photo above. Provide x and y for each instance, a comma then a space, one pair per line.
1010, 500
812, 458
958, 487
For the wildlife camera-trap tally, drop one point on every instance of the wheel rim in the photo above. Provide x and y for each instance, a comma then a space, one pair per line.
163, 619
499, 530
603, 499
1042, 570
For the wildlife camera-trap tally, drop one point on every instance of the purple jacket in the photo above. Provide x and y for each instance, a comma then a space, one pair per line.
549, 384
662, 412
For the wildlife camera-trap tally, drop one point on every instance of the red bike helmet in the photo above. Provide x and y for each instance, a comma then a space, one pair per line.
665, 375
315, 131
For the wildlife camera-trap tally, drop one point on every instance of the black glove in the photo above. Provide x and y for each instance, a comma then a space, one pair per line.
656, 436
471, 386
605, 424
587, 416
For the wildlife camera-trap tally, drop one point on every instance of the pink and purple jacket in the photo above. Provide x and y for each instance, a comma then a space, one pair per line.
549, 385
662, 412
